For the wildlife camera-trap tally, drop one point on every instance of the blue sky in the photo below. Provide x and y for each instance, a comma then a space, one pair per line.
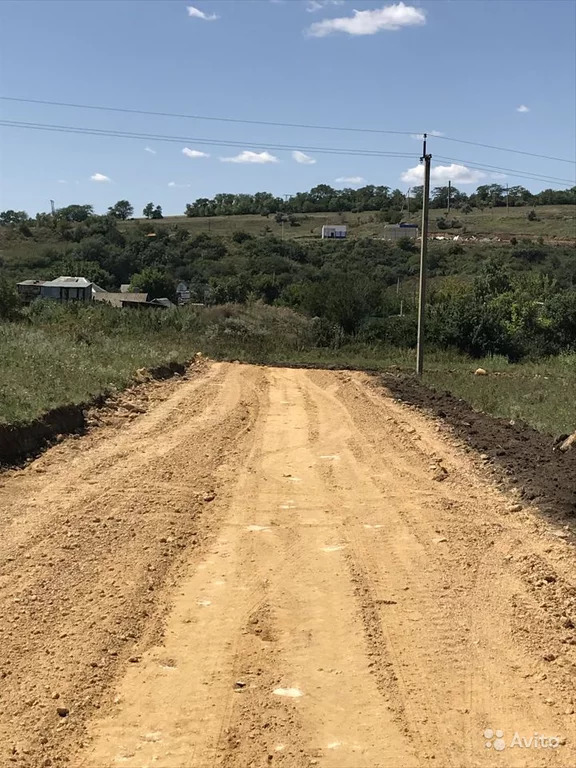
462, 68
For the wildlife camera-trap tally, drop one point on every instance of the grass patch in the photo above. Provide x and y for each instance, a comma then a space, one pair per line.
67, 354
541, 394
42, 369
553, 221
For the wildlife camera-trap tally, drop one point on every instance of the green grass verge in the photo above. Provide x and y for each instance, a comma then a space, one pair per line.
42, 369
69, 354
541, 394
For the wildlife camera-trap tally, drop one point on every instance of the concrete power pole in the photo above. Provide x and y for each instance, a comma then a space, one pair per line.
423, 262
449, 191
53, 207
507, 198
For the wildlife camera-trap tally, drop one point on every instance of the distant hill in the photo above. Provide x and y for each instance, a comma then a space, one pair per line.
553, 222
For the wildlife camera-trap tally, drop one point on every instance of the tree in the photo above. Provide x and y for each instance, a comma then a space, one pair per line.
11, 217
489, 194
155, 282
152, 211
121, 210
75, 212
9, 301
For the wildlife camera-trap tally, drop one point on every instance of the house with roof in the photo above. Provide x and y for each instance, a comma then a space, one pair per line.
65, 288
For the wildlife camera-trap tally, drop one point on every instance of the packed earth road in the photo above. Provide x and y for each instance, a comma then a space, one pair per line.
250, 566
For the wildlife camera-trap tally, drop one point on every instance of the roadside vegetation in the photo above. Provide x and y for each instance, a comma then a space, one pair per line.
56, 354
509, 307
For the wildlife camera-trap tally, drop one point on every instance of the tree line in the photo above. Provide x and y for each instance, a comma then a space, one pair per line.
322, 198
374, 198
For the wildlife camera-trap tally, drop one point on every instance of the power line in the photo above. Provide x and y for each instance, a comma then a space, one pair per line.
278, 124
511, 171
274, 147
203, 117
504, 149
201, 141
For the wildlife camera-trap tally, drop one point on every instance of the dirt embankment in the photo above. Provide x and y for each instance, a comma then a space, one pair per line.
20, 441
520, 454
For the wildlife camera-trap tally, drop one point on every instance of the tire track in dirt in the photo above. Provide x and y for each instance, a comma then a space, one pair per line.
79, 578
358, 594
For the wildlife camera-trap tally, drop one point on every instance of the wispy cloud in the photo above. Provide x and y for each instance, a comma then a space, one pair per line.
420, 136
354, 180
196, 13
316, 5
390, 18
303, 158
193, 153
99, 177
62, 181
150, 150
522, 108
442, 174
251, 157
180, 186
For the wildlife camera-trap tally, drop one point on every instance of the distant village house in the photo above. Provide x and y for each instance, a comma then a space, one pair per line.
334, 231
64, 288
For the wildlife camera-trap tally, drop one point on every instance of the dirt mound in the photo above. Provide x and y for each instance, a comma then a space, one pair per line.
520, 454
21, 441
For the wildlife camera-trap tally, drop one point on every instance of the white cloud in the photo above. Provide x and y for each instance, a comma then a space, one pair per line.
193, 153
62, 181
303, 158
180, 186
354, 180
316, 5
420, 136
522, 108
196, 13
390, 17
251, 157
442, 174
99, 177
498, 175
150, 150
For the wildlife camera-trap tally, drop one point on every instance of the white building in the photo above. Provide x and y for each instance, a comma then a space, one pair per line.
334, 231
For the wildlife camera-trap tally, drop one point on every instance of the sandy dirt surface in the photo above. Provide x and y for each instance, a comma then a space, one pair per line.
256, 567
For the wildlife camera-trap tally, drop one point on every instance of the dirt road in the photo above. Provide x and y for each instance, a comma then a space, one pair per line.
259, 567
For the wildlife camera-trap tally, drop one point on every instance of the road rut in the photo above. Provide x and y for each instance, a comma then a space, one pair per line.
279, 567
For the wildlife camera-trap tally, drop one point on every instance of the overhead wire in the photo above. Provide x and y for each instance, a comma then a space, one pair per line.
510, 171
270, 123
203, 117
202, 141
274, 147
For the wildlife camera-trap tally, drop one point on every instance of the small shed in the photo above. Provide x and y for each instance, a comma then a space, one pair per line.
334, 231
399, 231
117, 299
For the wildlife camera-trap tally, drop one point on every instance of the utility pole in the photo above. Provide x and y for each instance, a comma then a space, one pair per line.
507, 199
423, 261
449, 191
408, 200
53, 207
